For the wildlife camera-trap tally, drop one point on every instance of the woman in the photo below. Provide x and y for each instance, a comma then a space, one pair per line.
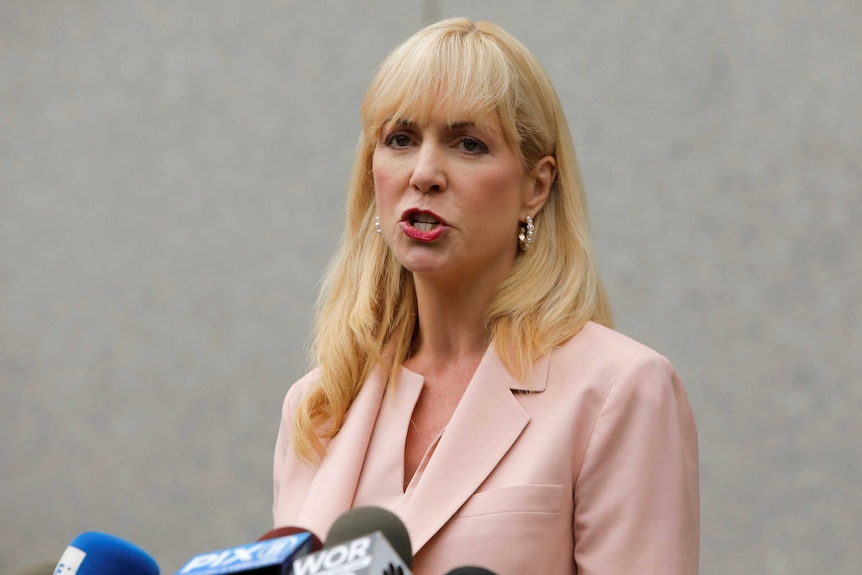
467, 376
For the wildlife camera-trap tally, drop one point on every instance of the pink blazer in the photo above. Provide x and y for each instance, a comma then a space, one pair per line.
589, 466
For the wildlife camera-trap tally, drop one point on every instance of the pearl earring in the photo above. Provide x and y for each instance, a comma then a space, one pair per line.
525, 238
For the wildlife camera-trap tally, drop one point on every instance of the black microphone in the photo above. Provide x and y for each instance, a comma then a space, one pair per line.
272, 554
96, 553
363, 541
470, 570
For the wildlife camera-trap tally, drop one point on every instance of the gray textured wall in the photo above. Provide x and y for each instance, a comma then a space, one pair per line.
172, 181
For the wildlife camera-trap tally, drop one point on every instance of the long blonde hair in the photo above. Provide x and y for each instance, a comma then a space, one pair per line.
368, 301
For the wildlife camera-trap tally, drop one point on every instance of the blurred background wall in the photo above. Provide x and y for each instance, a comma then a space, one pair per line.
172, 179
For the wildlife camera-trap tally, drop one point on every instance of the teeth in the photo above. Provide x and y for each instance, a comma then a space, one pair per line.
424, 218
423, 222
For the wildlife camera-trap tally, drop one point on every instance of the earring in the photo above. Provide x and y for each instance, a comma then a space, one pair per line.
377, 225
525, 238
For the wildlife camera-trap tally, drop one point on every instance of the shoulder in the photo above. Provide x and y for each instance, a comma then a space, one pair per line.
605, 358
603, 343
297, 391
599, 345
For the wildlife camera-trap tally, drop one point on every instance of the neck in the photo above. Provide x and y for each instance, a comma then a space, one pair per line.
452, 327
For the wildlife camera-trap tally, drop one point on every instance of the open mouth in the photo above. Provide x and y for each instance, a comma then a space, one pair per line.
423, 222
422, 225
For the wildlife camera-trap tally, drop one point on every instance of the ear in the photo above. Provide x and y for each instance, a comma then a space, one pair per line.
539, 182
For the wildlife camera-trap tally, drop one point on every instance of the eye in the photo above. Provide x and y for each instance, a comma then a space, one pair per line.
472, 145
397, 140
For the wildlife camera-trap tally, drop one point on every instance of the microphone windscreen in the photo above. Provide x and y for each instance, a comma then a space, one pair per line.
95, 553
470, 570
364, 520
43, 568
316, 543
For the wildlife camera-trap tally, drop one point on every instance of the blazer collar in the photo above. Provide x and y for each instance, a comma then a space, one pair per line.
484, 426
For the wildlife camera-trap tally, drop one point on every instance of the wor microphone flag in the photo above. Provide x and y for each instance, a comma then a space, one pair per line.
368, 555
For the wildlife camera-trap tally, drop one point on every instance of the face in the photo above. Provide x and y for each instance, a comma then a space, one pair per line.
450, 196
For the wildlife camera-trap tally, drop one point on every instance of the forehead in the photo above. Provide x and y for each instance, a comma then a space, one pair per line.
456, 78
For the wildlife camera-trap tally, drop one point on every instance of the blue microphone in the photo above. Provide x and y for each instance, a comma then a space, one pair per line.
95, 553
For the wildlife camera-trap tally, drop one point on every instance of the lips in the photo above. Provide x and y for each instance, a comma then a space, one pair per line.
422, 225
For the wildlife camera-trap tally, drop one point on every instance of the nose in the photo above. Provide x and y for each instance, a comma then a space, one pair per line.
429, 173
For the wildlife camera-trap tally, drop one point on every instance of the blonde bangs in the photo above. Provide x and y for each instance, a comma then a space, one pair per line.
461, 71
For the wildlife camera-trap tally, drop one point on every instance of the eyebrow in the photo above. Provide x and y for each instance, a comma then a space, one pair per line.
453, 126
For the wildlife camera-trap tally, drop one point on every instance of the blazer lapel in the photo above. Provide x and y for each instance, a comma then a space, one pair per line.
334, 485
486, 423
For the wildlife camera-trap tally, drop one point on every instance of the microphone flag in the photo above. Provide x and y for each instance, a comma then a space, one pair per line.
271, 556
367, 555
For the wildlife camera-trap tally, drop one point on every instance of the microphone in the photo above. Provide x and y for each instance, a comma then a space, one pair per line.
470, 570
363, 541
96, 553
272, 554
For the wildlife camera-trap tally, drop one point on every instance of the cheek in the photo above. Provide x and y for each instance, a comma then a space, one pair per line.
501, 194
385, 181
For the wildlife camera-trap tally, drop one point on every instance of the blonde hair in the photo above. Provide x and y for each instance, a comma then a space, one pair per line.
366, 313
